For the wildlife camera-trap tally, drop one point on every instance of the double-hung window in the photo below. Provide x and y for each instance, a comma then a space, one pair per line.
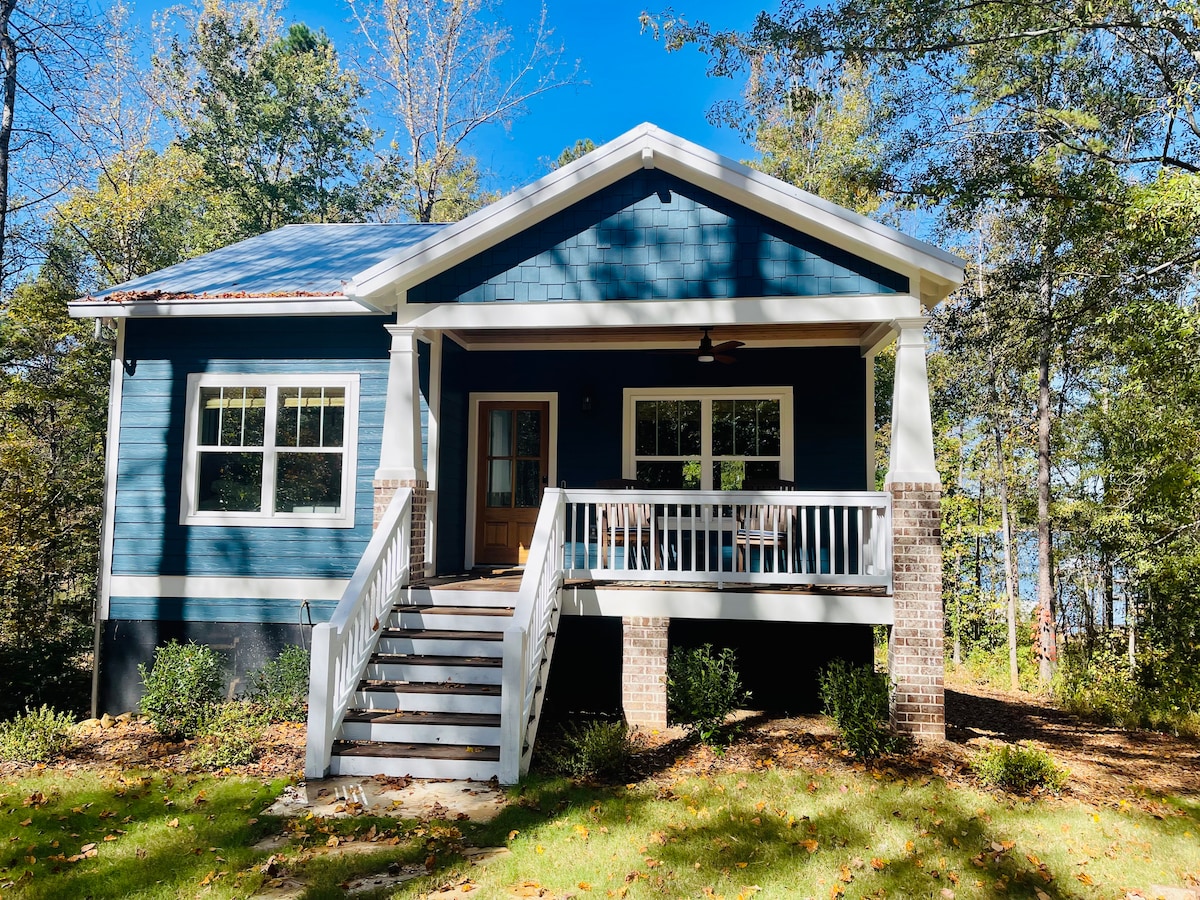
708, 438
270, 450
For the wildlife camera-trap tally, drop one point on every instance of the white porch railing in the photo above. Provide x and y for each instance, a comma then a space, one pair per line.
342, 647
840, 538
529, 640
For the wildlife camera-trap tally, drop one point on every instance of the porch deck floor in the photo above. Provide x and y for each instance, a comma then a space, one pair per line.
509, 580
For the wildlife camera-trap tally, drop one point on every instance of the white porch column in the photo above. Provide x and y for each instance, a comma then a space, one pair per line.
400, 462
915, 662
912, 457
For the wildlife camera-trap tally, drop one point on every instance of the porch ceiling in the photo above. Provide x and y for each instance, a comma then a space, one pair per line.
683, 338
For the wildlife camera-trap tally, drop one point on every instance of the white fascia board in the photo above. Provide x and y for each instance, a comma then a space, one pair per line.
212, 306
626, 154
645, 313
218, 587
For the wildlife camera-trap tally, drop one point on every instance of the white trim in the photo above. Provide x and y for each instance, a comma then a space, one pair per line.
678, 313
433, 449
594, 171
787, 454
473, 401
869, 362
215, 587
468, 343
729, 604
112, 445
913, 458
877, 338
189, 515
213, 306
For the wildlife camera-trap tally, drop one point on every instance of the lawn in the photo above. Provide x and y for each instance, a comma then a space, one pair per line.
783, 814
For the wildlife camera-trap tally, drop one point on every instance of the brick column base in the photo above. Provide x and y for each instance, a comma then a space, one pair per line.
916, 662
385, 490
644, 671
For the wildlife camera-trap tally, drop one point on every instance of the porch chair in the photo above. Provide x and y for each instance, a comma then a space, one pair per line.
763, 525
618, 522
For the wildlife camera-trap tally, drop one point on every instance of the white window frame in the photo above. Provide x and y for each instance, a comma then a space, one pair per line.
189, 512
706, 395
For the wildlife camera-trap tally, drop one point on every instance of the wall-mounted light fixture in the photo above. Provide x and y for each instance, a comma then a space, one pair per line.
586, 401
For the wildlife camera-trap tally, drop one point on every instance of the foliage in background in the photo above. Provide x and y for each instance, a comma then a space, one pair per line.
703, 688
182, 688
231, 735
595, 749
1017, 768
35, 736
280, 688
856, 698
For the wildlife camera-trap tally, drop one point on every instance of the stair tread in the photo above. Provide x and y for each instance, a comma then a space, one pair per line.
427, 687
437, 634
421, 751
415, 659
385, 717
499, 611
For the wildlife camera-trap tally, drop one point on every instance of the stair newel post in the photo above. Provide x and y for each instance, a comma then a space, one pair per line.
320, 705
512, 702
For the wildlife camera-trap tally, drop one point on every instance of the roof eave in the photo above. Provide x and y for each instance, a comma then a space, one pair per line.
216, 306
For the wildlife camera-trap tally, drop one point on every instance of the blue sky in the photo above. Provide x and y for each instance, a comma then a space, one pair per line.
630, 78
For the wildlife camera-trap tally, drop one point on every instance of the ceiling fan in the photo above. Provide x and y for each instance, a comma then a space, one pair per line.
721, 353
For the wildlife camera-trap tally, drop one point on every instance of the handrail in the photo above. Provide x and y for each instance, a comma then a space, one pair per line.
815, 538
529, 640
342, 647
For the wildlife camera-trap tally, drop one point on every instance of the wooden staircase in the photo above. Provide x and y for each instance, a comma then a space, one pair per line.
429, 702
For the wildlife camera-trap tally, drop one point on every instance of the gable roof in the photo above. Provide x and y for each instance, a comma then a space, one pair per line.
645, 147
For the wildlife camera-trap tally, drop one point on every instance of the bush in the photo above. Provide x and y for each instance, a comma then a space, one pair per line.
36, 735
1099, 687
280, 688
856, 698
182, 688
1017, 768
597, 749
231, 735
703, 688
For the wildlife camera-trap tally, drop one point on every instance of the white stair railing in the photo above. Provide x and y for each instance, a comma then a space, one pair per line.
529, 640
342, 647
820, 538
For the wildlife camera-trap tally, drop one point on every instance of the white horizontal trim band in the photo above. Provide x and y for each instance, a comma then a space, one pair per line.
729, 604
210, 306
228, 588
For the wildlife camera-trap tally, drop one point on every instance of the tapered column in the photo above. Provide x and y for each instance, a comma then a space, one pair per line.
400, 463
915, 655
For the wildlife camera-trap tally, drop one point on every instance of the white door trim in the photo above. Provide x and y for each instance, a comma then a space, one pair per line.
474, 399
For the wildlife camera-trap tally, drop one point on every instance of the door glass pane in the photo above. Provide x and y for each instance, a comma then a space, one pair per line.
500, 486
500, 433
529, 483
230, 482
308, 483
529, 432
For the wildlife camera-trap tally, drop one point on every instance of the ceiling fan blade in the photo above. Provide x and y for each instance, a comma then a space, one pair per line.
724, 358
727, 346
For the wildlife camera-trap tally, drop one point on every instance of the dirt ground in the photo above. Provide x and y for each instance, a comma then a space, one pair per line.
1107, 764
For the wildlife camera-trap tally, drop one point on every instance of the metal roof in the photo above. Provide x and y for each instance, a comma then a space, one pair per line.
296, 260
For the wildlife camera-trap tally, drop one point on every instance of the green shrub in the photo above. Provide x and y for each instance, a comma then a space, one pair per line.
36, 735
280, 688
597, 749
231, 735
703, 688
1018, 768
182, 688
856, 698
1100, 687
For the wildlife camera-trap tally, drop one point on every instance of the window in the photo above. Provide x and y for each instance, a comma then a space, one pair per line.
270, 450
708, 439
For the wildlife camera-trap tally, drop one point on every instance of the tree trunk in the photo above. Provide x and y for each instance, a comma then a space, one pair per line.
1010, 586
1047, 638
8, 98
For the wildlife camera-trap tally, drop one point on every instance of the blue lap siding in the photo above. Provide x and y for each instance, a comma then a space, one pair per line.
147, 536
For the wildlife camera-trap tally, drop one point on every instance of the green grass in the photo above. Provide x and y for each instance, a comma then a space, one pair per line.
154, 835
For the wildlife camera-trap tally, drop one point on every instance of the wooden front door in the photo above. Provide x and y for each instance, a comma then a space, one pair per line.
514, 438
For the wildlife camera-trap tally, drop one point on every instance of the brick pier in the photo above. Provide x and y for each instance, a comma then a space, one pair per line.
644, 670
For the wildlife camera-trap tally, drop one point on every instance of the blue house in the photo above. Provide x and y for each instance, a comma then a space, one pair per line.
477, 465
